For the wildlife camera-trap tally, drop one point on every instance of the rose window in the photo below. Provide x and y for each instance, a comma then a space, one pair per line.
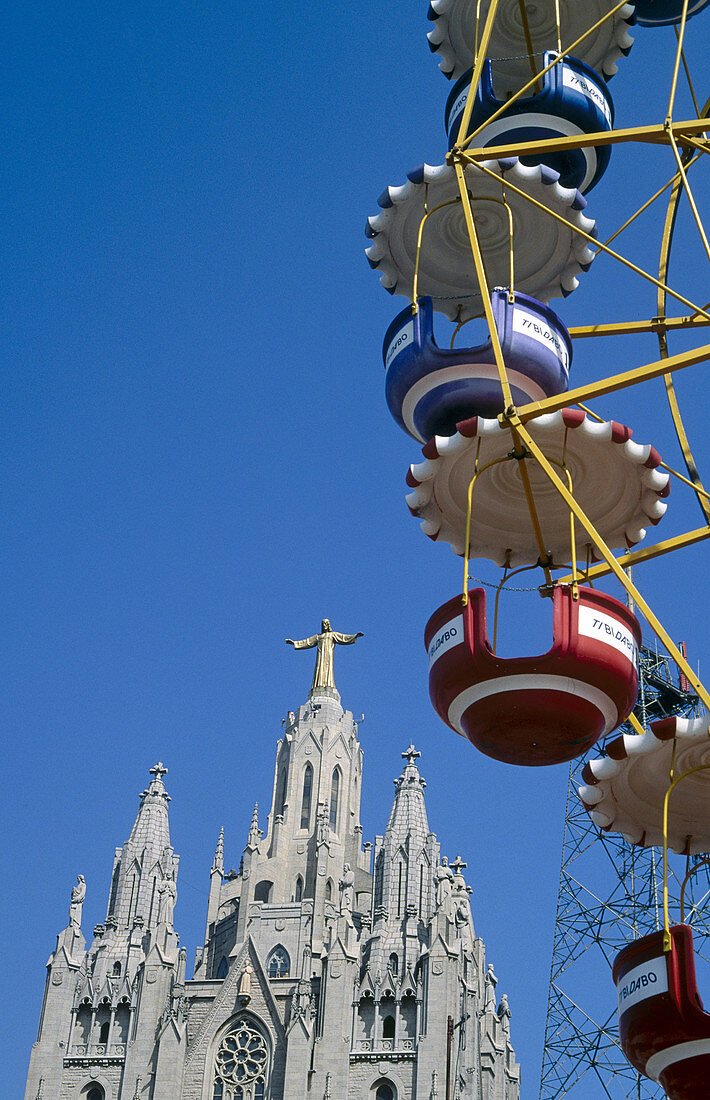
241, 1061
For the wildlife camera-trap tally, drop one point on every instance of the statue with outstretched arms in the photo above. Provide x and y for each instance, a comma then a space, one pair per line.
326, 641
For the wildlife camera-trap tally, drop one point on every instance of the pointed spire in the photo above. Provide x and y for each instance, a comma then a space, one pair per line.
408, 809
254, 830
151, 824
218, 861
145, 860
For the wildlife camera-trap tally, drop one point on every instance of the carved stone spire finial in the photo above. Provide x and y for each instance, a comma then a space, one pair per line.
254, 830
411, 754
218, 861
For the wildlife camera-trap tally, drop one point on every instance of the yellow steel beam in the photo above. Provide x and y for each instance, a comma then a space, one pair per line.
648, 553
483, 282
624, 328
610, 385
477, 70
658, 134
659, 630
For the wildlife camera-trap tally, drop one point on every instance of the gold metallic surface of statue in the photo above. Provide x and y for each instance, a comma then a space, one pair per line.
326, 642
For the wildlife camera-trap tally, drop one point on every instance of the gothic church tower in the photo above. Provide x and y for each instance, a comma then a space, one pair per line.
324, 972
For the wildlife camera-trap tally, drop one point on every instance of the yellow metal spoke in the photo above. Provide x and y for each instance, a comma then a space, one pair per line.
611, 384
648, 553
633, 328
477, 69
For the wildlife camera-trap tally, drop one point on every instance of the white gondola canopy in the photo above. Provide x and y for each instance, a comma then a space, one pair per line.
624, 789
458, 26
615, 480
549, 254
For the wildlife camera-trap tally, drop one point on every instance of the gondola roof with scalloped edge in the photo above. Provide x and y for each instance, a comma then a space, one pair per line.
616, 481
453, 36
624, 789
549, 254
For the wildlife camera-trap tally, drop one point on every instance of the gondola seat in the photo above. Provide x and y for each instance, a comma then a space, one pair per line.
573, 100
430, 389
663, 1028
537, 710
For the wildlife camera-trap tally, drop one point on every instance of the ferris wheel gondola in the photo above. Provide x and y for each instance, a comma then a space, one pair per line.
543, 709
573, 100
429, 389
663, 1027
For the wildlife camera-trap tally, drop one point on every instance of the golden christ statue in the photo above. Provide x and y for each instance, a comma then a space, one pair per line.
326, 642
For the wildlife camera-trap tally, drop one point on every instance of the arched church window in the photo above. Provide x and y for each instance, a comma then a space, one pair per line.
262, 891
117, 969
388, 1027
95, 1093
241, 1064
103, 1032
281, 798
279, 964
329, 890
334, 796
394, 963
298, 892
306, 797
222, 968
385, 1091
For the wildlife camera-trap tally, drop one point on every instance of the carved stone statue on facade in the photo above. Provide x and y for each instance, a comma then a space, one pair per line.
78, 893
347, 889
444, 882
244, 989
504, 1012
323, 824
489, 996
326, 641
167, 895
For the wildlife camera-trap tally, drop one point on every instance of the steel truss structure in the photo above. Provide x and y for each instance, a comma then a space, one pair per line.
609, 894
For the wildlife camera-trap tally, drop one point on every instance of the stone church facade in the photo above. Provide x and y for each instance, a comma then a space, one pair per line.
331, 968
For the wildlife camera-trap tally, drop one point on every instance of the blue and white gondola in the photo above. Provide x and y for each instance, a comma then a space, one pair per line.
573, 100
430, 389
457, 26
665, 13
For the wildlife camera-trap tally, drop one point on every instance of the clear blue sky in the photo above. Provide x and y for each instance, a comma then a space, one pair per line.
197, 460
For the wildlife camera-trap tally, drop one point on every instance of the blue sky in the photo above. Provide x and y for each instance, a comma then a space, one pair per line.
197, 459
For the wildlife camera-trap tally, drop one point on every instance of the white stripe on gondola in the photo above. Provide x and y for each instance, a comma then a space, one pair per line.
451, 374
679, 1053
546, 122
565, 684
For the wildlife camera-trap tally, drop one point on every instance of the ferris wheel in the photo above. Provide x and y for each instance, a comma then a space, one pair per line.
518, 470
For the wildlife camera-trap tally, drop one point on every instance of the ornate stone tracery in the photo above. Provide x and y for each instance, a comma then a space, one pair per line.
241, 1064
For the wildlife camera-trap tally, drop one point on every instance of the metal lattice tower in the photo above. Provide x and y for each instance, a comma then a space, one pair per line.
610, 893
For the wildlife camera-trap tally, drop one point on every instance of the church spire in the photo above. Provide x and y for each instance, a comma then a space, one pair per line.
146, 860
218, 861
405, 858
254, 830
